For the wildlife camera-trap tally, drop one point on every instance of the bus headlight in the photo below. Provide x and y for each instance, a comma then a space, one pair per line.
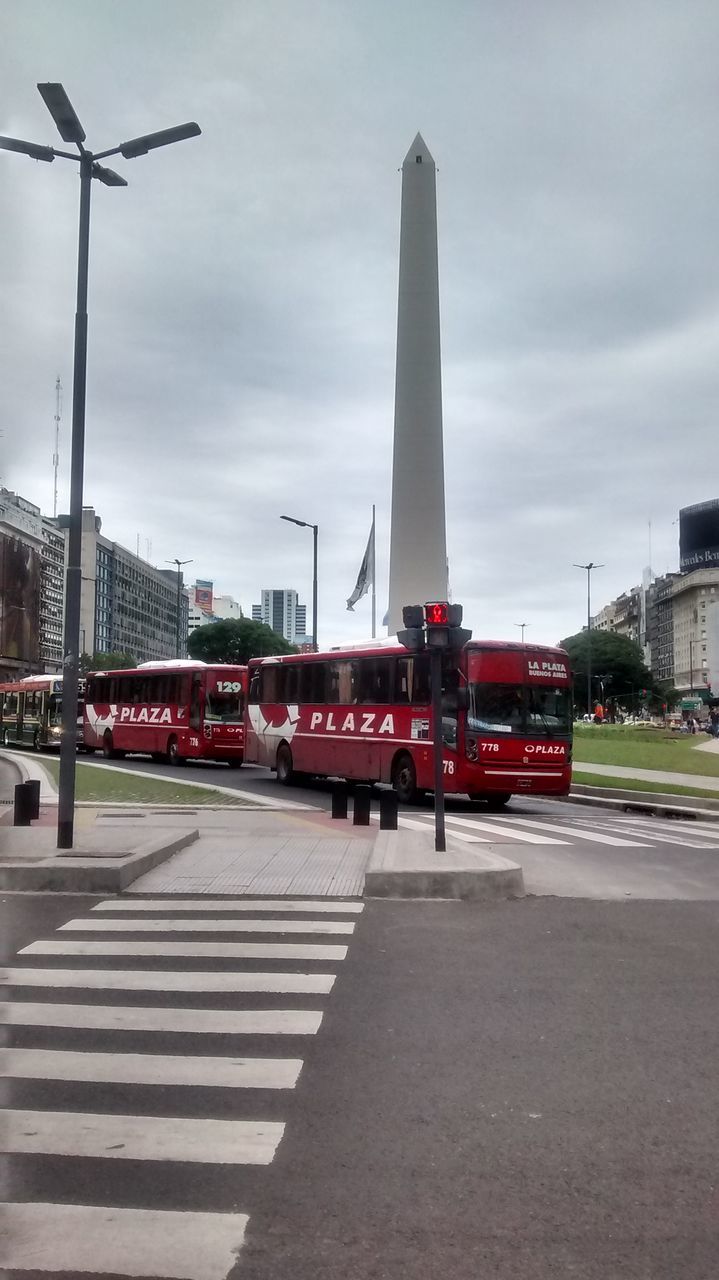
471, 748
56, 731
208, 730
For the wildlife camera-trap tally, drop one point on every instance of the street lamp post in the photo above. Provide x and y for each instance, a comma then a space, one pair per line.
70, 130
589, 568
522, 625
179, 563
314, 527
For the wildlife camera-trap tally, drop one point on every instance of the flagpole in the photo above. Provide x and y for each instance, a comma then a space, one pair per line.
374, 575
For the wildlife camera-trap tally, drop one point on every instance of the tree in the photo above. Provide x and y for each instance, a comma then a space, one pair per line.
106, 662
617, 663
236, 640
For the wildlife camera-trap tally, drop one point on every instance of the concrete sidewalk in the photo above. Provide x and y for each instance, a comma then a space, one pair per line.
699, 780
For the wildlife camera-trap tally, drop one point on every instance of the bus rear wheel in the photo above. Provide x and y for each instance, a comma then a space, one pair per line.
285, 768
108, 751
173, 753
404, 780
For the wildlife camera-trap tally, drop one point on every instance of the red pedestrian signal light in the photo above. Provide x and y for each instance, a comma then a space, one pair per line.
436, 614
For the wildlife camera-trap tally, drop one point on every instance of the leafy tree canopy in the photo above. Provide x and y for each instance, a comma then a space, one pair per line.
236, 640
106, 662
615, 660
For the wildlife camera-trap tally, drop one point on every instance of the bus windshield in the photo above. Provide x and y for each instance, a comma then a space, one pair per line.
224, 707
516, 709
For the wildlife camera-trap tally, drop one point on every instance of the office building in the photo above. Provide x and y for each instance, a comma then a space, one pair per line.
32, 590
281, 610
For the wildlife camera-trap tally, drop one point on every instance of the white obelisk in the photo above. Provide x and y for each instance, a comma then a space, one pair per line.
418, 540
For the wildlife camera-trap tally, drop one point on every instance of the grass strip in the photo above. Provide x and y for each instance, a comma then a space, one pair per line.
645, 748
115, 786
635, 784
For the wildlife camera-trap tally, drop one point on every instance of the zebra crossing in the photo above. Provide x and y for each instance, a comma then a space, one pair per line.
622, 831
128, 1078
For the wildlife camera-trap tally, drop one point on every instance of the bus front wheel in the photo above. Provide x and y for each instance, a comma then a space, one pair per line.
36, 744
285, 768
404, 780
6, 737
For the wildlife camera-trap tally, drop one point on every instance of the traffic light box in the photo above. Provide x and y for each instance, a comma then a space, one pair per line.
436, 625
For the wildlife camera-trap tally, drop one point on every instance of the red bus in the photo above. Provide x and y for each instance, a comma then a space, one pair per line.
31, 712
176, 711
365, 714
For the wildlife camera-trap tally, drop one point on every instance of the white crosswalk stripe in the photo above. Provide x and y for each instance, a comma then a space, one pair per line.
151, 1068
177, 1243
131, 1242
122, 925
233, 1022
618, 830
333, 906
165, 980
198, 950
529, 837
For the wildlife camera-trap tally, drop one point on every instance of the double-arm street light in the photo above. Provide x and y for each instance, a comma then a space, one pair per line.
314, 527
522, 625
70, 130
179, 564
589, 568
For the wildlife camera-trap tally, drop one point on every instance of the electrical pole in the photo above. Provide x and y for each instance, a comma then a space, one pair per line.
589, 568
56, 454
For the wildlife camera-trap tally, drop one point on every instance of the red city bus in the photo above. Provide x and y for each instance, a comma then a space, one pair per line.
177, 710
365, 714
31, 712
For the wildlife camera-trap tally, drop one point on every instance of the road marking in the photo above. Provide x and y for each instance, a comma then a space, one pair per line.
414, 824
228, 904
129, 1242
121, 1137
200, 950
164, 980
501, 830
593, 836
98, 925
634, 828
258, 1022
151, 1068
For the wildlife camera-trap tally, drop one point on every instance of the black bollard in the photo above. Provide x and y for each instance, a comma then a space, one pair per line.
339, 800
363, 797
23, 805
33, 786
388, 805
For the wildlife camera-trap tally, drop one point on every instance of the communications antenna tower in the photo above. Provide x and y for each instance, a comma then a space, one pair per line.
56, 454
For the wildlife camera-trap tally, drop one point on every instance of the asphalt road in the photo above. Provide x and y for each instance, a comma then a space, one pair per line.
509, 1091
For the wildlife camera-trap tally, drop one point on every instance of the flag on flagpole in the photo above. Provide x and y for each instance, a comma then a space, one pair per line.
365, 577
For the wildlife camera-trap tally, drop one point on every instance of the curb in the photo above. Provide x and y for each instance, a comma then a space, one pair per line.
71, 873
404, 866
657, 804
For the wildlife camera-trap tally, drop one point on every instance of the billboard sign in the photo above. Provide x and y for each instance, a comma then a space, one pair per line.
699, 536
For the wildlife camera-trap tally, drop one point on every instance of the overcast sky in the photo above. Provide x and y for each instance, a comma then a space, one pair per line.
243, 288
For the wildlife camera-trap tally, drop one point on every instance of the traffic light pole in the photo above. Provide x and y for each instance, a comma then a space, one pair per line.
435, 658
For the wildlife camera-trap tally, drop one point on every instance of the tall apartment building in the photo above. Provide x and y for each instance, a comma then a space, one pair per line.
33, 586
693, 594
127, 605
281, 610
205, 607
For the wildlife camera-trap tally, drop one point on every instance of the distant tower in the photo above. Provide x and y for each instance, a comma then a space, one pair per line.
418, 541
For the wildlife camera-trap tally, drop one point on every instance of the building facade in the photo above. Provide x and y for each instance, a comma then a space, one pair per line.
281, 610
32, 592
128, 605
204, 607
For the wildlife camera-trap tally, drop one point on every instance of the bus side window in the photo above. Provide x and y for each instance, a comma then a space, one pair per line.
292, 683
313, 682
254, 694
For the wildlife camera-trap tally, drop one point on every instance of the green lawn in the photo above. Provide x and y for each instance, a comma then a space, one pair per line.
115, 786
636, 784
644, 749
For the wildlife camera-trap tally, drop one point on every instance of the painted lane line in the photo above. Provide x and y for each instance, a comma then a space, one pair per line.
151, 1068
594, 837
234, 1022
165, 980
501, 830
131, 1242
96, 924
633, 828
414, 824
121, 1137
200, 950
230, 904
